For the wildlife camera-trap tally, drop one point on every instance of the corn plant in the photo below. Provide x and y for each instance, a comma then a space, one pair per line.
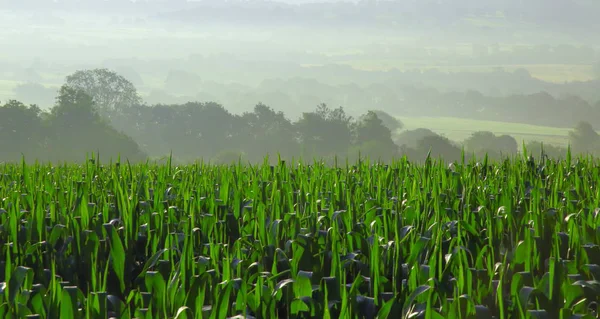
512, 239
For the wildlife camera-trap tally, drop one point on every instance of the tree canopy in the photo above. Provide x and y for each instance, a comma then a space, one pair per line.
99, 110
584, 138
110, 91
484, 142
69, 131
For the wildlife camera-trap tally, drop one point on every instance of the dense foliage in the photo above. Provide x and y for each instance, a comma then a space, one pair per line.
71, 128
511, 239
100, 110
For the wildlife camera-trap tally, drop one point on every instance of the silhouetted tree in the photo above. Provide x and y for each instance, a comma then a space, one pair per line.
584, 138
484, 142
535, 148
411, 138
373, 138
480, 141
506, 144
110, 91
265, 131
438, 147
21, 131
370, 127
389, 121
325, 131
76, 128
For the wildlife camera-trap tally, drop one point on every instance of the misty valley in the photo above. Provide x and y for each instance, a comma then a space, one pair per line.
299, 159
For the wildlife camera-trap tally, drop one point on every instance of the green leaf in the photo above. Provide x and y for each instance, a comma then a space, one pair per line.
66, 306
386, 309
221, 309
298, 305
280, 285
412, 297
117, 255
303, 285
184, 313
152, 261
17, 279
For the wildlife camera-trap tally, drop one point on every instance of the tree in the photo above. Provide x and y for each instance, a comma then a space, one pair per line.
110, 91
389, 121
535, 148
423, 141
312, 131
411, 138
506, 144
584, 138
21, 131
438, 146
325, 131
370, 128
190, 130
267, 132
487, 143
74, 109
480, 142
76, 128
373, 138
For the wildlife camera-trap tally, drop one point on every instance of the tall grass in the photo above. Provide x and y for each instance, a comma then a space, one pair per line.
512, 239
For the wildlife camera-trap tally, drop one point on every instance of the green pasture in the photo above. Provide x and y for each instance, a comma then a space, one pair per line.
458, 129
554, 73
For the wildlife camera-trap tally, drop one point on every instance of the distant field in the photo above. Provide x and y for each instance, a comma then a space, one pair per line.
458, 129
555, 73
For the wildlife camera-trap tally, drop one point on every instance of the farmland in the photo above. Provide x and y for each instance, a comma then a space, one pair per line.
458, 129
513, 239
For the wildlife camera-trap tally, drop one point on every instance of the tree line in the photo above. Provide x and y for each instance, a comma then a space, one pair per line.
563, 106
100, 111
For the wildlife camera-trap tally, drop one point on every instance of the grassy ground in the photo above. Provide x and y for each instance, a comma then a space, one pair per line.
554, 73
458, 129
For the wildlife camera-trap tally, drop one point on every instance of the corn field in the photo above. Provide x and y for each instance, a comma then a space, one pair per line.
512, 239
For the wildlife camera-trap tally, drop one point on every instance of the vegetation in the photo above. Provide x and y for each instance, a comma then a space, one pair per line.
457, 95
187, 200
584, 138
486, 143
511, 239
110, 92
71, 129
460, 129
100, 111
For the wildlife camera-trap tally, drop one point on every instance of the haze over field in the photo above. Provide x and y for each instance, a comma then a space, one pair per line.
259, 159
535, 64
256, 159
